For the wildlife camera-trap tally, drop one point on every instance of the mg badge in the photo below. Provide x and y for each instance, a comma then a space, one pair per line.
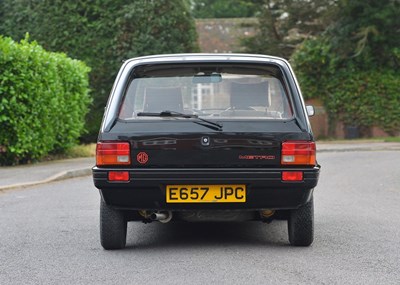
142, 157
205, 141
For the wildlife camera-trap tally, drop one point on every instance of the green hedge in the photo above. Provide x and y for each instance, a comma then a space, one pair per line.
44, 98
357, 96
369, 98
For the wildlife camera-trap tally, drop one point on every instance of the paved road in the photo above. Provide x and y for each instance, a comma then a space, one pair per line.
49, 235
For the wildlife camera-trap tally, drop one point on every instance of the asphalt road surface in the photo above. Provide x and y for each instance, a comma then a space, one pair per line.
50, 235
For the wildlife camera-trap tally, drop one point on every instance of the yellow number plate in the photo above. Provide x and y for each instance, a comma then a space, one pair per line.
206, 193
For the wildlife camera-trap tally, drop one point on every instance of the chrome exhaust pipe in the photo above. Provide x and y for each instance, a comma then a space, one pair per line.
265, 214
162, 217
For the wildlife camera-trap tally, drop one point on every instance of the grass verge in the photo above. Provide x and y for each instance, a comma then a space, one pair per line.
84, 150
361, 140
392, 139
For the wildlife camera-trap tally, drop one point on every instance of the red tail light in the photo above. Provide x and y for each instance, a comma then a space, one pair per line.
292, 176
113, 153
118, 176
298, 153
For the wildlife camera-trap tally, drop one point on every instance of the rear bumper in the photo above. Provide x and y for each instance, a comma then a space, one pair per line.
265, 189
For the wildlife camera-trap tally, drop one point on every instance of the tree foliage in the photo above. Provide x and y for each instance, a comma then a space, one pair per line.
43, 101
225, 8
152, 27
354, 67
367, 33
102, 33
284, 24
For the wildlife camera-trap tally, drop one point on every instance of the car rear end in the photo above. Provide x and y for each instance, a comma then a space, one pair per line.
206, 138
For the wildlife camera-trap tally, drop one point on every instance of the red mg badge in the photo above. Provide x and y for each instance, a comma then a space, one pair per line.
142, 157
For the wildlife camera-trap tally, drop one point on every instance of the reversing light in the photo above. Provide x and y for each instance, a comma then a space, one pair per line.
108, 153
118, 176
292, 176
298, 153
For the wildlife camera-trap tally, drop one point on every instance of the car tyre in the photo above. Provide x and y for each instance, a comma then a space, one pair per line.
301, 225
112, 227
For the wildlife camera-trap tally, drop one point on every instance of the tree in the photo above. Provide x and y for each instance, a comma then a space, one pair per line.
284, 24
102, 33
151, 27
225, 8
354, 66
367, 33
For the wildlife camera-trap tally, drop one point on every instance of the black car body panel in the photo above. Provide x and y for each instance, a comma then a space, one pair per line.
183, 144
246, 150
146, 189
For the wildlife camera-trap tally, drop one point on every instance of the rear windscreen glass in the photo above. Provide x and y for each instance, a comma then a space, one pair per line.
220, 91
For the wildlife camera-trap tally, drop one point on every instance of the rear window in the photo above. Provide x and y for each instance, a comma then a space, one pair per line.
209, 91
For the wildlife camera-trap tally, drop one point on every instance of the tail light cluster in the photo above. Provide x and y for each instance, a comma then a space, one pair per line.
298, 153
110, 153
295, 153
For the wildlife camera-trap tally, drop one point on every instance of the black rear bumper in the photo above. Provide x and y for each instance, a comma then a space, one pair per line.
265, 189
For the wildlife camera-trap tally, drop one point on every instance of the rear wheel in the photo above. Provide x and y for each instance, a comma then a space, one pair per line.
112, 227
301, 225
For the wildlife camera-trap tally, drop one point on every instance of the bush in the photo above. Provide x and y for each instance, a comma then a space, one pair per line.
43, 101
102, 34
355, 95
367, 98
354, 65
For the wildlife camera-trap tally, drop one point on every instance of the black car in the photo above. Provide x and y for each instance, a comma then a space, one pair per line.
206, 137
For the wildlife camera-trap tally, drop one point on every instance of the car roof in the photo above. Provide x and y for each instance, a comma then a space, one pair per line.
206, 57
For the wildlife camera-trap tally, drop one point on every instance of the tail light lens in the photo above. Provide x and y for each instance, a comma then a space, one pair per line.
292, 176
298, 153
113, 153
118, 176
